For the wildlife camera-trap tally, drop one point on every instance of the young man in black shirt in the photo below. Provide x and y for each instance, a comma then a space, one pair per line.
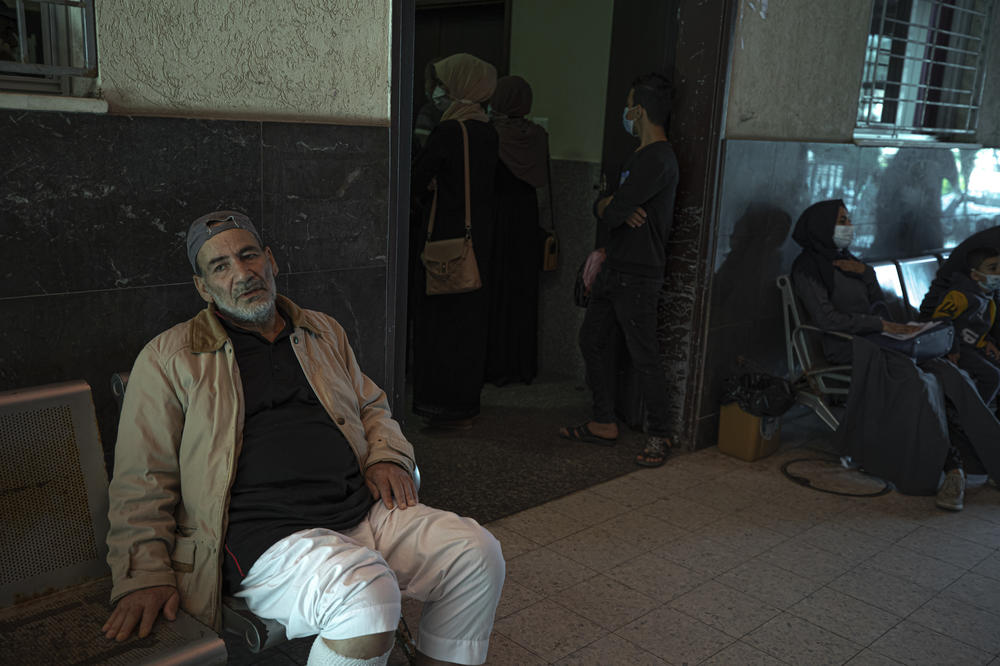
633, 226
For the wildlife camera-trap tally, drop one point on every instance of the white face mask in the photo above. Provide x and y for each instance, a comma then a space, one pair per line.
991, 282
843, 235
627, 123
440, 99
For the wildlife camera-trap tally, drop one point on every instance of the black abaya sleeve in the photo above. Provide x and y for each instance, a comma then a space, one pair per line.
427, 164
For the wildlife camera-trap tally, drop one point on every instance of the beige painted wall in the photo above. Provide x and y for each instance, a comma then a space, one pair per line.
321, 60
797, 69
562, 48
988, 131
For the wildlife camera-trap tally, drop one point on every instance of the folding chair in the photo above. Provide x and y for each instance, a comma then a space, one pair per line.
54, 579
813, 379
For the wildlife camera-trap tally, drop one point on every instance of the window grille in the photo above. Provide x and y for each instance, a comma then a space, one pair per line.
45, 43
924, 69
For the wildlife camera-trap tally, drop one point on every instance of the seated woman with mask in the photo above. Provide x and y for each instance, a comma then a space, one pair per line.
904, 422
839, 292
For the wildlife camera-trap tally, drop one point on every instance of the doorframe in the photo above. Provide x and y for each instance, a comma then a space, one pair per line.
398, 241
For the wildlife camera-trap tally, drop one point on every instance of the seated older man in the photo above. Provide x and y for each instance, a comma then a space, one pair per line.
251, 456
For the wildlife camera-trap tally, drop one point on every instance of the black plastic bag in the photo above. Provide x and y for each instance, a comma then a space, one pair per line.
759, 394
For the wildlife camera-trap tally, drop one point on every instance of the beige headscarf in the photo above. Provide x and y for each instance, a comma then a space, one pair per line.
469, 81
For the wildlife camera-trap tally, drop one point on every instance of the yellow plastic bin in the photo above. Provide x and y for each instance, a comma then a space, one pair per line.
746, 436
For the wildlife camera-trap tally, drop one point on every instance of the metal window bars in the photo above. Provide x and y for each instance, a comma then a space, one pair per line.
924, 68
56, 40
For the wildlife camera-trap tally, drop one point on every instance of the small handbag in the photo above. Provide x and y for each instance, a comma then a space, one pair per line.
550, 245
450, 264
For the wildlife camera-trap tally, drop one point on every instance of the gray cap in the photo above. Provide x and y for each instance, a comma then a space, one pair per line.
212, 224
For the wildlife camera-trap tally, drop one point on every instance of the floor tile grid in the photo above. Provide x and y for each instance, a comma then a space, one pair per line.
859, 557
972, 555
619, 492
742, 487
948, 550
620, 497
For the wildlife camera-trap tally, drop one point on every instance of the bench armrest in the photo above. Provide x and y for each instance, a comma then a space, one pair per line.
816, 329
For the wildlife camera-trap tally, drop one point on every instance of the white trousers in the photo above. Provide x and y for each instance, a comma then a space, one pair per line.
347, 584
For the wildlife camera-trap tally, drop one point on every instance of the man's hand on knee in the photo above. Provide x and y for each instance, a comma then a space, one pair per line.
141, 607
388, 480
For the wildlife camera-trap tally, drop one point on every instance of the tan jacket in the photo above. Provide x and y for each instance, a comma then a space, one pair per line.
180, 436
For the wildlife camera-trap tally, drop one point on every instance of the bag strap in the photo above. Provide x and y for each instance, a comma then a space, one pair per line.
552, 209
468, 186
468, 190
434, 204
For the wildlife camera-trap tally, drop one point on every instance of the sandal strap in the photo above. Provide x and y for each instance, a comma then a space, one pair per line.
655, 448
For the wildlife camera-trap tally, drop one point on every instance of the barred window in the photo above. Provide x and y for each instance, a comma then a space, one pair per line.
47, 46
924, 69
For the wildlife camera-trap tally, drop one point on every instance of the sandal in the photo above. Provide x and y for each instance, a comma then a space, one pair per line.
655, 454
582, 433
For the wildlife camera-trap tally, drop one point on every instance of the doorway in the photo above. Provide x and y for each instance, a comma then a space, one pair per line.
573, 54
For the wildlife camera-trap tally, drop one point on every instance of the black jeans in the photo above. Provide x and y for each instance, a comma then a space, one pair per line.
628, 301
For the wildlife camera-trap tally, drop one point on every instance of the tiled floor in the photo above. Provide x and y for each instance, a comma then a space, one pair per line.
717, 561
711, 560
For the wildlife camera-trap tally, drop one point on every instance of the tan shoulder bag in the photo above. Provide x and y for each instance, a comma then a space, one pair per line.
451, 264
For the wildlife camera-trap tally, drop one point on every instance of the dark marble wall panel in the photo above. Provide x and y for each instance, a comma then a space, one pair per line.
558, 318
103, 202
94, 212
695, 131
347, 295
325, 203
87, 335
904, 203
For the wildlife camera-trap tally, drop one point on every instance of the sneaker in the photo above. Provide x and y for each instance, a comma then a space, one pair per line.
952, 492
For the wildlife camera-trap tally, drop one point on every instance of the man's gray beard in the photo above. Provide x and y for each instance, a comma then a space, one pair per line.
259, 312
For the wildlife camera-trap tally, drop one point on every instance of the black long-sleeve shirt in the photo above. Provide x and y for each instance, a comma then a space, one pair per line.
648, 179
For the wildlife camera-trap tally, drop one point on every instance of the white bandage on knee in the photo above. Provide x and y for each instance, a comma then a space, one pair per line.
322, 655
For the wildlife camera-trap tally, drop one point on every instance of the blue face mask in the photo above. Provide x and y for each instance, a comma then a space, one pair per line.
843, 236
440, 98
991, 282
627, 123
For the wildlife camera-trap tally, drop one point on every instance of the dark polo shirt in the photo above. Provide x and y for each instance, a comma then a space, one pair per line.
296, 470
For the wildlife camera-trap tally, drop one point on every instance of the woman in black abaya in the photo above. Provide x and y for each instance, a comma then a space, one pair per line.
449, 331
517, 252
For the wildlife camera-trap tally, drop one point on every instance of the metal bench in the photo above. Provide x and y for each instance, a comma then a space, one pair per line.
894, 293
54, 579
813, 379
917, 276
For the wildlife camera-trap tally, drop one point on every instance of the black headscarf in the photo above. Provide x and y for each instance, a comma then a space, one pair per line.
814, 232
